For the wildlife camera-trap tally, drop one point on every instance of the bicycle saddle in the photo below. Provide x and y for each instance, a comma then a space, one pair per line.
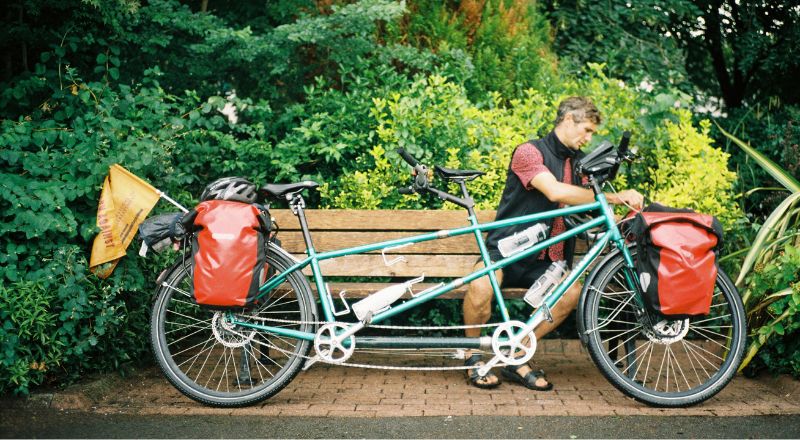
281, 189
452, 174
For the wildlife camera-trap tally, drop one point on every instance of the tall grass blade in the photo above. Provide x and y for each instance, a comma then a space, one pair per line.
774, 170
769, 226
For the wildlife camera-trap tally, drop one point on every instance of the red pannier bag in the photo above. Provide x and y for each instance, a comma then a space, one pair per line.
676, 259
228, 253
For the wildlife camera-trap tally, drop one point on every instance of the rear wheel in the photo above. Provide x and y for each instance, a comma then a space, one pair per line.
662, 362
217, 363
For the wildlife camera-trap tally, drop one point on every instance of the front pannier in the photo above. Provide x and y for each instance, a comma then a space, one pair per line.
229, 253
676, 259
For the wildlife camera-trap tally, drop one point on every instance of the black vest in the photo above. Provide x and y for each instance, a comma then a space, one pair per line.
518, 201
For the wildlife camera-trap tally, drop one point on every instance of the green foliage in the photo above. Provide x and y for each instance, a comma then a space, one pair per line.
435, 121
773, 313
743, 52
769, 275
627, 37
65, 323
54, 160
508, 42
693, 174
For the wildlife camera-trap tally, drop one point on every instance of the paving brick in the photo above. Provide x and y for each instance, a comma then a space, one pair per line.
338, 391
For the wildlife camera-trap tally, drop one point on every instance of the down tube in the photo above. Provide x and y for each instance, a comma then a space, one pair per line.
556, 295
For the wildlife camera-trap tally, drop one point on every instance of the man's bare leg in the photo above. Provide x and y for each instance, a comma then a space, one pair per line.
478, 308
565, 305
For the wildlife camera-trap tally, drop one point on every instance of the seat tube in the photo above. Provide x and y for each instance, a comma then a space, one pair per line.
498, 294
298, 204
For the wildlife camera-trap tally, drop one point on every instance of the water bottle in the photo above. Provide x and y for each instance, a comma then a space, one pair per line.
522, 240
536, 293
382, 298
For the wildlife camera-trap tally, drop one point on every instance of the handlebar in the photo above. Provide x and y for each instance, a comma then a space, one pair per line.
421, 182
407, 157
623, 144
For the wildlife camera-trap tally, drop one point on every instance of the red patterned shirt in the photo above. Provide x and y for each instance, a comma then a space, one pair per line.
528, 163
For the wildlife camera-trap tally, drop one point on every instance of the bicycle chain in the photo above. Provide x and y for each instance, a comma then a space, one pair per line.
389, 327
366, 366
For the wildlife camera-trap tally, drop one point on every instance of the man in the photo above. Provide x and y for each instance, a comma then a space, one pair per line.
541, 177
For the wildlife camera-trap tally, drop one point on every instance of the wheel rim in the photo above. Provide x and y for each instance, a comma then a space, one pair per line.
214, 359
672, 358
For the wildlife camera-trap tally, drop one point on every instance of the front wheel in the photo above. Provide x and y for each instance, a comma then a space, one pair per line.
217, 363
658, 361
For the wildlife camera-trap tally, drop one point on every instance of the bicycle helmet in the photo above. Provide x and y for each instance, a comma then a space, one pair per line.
236, 189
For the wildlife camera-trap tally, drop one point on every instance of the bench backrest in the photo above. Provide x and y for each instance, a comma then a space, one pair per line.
333, 229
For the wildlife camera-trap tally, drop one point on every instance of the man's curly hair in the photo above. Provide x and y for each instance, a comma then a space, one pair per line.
581, 108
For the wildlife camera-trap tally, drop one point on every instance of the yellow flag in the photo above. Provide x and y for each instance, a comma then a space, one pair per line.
124, 203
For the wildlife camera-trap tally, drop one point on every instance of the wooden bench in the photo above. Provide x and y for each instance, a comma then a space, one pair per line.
335, 229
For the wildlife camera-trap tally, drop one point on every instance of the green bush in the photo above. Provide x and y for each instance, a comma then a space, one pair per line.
66, 323
436, 122
774, 313
59, 321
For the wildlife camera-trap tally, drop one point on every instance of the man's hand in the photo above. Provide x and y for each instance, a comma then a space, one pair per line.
629, 197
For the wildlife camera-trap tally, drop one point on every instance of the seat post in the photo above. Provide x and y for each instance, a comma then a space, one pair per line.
465, 195
297, 205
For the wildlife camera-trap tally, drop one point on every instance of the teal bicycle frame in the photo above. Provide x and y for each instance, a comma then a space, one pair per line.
313, 258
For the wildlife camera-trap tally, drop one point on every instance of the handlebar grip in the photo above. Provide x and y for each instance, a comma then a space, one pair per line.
407, 157
624, 142
405, 190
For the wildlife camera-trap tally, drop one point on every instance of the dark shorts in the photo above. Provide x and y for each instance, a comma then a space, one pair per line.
522, 273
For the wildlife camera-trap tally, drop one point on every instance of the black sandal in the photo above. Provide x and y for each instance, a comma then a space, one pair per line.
474, 377
529, 380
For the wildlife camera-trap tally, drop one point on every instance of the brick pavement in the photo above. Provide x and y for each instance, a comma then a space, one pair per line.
580, 390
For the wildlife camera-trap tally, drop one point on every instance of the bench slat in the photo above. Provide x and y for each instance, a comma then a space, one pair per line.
378, 220
324, 241
360, 290
372, 265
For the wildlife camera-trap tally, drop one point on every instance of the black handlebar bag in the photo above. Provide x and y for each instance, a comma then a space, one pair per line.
676, 259
228, 253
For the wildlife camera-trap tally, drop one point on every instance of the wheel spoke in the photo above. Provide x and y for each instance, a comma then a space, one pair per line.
671, 362
215, 362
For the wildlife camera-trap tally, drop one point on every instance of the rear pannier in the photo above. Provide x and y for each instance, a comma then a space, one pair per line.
676, 259
228, 252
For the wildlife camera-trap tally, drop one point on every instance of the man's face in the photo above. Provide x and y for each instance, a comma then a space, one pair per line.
576, 134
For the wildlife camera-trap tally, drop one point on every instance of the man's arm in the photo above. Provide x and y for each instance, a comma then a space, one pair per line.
567, 194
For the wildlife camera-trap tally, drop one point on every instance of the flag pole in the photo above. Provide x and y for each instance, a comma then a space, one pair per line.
169, 199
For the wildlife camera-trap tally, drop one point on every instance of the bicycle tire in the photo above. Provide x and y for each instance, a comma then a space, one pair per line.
708, 348
249, 365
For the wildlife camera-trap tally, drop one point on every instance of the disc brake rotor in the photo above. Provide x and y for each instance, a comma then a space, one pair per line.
667, 331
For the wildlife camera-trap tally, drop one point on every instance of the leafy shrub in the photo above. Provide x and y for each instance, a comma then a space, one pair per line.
508, 42
57, 320
436, 122
66, 323
773, 313
694, 174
